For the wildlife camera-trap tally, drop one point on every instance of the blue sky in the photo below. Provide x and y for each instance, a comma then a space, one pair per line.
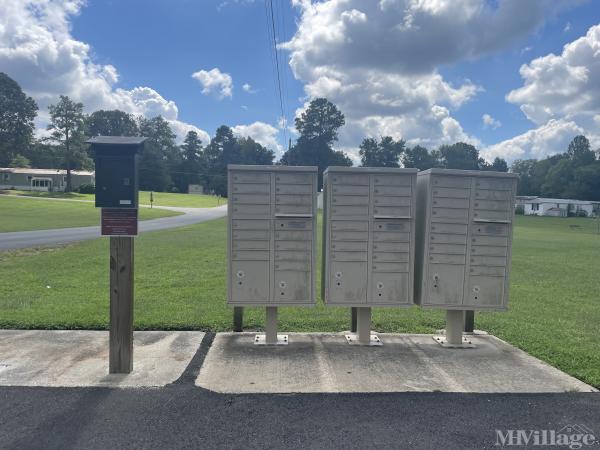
425, 71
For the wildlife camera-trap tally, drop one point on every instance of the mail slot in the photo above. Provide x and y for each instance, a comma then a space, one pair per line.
368, 236
464, 233
272, 235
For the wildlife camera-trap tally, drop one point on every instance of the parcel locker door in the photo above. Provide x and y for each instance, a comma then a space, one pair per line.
348, 282
485, 291
391, 288
292, 286
445, 284
250, 281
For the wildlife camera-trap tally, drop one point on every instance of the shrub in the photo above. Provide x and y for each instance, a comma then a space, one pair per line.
520, 210
582, 213
87, 189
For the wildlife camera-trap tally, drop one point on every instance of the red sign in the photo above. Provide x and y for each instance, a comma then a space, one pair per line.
119, 222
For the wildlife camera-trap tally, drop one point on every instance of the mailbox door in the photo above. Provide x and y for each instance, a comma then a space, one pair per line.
116, 181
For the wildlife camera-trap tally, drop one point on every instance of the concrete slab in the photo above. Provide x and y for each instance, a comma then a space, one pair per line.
317, 362
80, 358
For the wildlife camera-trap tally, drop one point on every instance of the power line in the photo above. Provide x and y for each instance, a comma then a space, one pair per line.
277, 68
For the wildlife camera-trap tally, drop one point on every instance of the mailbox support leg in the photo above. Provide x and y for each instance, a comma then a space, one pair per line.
469, 321
121, 305
455, 323
271, 337
238, 318
353, 320
363, 335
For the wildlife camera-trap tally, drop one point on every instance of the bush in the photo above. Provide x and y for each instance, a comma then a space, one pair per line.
582, 213
520, 210
87, 189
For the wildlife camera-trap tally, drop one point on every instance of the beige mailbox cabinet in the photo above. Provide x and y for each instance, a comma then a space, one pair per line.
464, 237
272, 229
368, 243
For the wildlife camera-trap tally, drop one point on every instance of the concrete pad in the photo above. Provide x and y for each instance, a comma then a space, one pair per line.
80, 358
317, 362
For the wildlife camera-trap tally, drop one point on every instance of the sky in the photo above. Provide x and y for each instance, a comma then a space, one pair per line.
518, 79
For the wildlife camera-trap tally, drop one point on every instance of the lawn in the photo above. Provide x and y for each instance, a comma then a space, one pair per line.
160, 198
180, 284
26, 214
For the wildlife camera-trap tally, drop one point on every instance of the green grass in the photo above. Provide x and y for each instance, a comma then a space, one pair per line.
180, 284
26, 214
160, 198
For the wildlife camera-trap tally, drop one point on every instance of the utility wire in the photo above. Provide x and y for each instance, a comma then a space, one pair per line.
277, 68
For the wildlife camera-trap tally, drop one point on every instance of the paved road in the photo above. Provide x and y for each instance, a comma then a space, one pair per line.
184, 416
21, 239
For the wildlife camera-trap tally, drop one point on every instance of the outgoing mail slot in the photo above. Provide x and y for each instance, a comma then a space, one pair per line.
293, 224
488, 250
391, 267
390, 257
250, 177
250, 199
241, 224
448, 249
404, 191
294, 189
350, 190
253, 188
490, 229
392, 247
293, 178
392, 226
350, 200
348, 256
251, 210
451, 182
350, 246
438, 238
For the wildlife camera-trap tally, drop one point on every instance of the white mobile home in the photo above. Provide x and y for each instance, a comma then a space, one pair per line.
557, 207
42, 179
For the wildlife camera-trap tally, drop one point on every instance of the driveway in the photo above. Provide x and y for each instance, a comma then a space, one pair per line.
190, 216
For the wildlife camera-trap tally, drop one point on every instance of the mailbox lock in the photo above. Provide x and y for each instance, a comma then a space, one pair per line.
380, 285
282, 284
240, 274
476, 291
436, 279
338, 274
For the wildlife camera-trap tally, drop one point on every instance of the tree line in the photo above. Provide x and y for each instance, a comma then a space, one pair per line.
166, 166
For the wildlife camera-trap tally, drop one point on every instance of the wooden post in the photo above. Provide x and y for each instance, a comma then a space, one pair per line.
121, 305
238, 318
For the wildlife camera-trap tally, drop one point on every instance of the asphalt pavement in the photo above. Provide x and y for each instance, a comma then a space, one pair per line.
190, 216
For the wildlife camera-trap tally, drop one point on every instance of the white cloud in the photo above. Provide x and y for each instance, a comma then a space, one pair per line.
567, 27
561, 95
263, 133
490, 122
215, 82
249, 89
39, 52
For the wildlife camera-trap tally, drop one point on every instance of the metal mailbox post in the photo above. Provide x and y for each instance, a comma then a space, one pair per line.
368, 241
116, 159
272, 239
464, 237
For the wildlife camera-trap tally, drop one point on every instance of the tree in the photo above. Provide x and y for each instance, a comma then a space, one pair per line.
586, 182
499, 165
524, 168
558, 180
579, 151
20, 161
419, 157
111, 123
251, 152
318, 128
67, 130
158, 154
460, 156
191, 163
17, 112
385, 153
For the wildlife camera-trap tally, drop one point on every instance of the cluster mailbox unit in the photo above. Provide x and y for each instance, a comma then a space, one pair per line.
464, 237
272, 239
368, 241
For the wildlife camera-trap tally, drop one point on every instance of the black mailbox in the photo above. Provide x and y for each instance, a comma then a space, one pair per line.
116, 170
